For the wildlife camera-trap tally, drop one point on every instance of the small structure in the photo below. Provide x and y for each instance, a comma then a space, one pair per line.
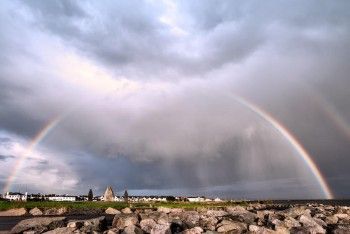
196, 199
16, 196
108, 195
61, 198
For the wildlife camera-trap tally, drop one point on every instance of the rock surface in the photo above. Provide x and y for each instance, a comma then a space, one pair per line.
112, 211
255, 218
56, 211
14, 212
35, 211
39, 224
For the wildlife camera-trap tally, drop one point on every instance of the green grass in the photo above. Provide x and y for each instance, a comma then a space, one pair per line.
5, 205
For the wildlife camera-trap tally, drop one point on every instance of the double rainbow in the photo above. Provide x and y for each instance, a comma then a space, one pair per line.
304, 155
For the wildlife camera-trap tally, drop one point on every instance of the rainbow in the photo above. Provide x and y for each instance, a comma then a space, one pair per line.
305, 156
263, 114
27, 151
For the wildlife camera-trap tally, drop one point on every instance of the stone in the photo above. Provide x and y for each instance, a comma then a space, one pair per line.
341, 229
164, 209
176, 210
14, 212
304, 229
112, 231
62, 230
56, 211
234, 209
35, 211
287, 223
75, 224
126, 210
216, 213
243, 216
294, 212
260, 230
311, 224
208, 222
160, 217
147, 225
232, 227
95, 224
195, 230
161, 229
191, 218
112, 211
341, 216
39, 224
331, 219
177, 226
132, 229
109, 195
123, 220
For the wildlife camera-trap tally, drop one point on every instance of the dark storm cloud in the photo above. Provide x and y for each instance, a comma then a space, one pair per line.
152, 138
5, 157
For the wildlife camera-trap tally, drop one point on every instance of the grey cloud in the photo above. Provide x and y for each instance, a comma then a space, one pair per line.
5, 157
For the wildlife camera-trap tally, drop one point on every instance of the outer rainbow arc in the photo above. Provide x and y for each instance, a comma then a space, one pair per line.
293, 141
264, 115
33, 143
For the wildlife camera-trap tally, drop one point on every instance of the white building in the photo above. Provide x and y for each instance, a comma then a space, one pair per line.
61, 198
196, 199
16, 196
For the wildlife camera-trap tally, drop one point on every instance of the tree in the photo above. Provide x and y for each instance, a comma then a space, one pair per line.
126, 196
90, 195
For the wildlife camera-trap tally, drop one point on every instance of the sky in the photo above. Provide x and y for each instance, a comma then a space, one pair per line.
175, 97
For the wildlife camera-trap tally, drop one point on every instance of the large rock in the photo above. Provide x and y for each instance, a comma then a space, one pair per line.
216, 213
62, 230
243, 216
331, 219
75, 224
191, 218
208, 222
195, 230
127, 210
132, 229
341, 229
160, 217
95, 224
294, 212
286, 224
234, 209
112, 211
311, 224
176, 210
161, 229
123, 220
261, 230
112, 231
147, 225
177, 226
56, 211
39, 224
231, 226
164, 209
35, 211
14, 212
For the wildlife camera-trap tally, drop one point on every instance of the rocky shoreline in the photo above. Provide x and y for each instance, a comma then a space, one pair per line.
254, 218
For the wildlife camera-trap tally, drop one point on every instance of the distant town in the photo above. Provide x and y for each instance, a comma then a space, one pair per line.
108, 196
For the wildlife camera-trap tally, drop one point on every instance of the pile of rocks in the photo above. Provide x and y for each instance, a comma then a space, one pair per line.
313, 218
